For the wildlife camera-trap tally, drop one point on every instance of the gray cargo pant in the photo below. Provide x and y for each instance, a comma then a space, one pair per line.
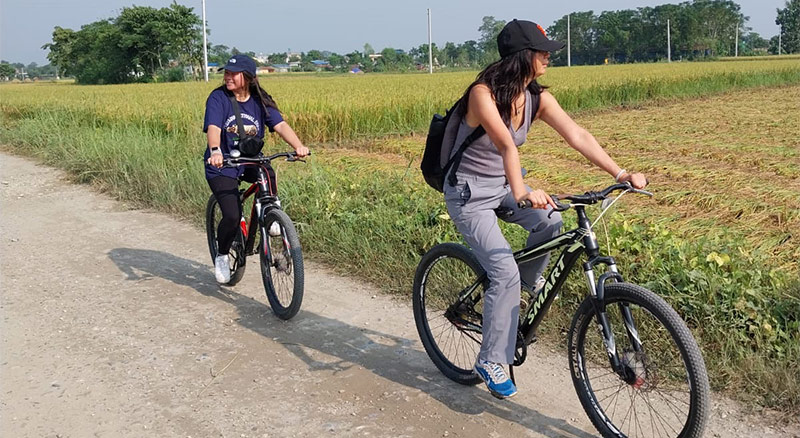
471, 203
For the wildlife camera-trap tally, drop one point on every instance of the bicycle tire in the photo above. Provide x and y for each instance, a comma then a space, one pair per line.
237, 253
281, 264
442, 273
653, 372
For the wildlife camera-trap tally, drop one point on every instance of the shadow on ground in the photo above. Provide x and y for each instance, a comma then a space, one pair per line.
391, 357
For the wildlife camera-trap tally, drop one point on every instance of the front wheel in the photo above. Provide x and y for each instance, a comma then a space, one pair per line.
451, 333
281, 263
236, 254
663, 388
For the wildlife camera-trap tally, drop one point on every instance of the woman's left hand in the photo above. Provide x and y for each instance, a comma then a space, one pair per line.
302, 151
637, 180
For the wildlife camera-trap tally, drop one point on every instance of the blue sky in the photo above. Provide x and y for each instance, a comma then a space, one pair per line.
301, 25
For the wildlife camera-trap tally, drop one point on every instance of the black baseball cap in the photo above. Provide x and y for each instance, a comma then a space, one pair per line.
240, 63
521, 34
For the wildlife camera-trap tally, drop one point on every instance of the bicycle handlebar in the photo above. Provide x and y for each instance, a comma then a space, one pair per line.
237, 161
588, 198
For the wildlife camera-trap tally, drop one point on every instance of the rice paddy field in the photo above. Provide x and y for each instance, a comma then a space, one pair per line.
718, 141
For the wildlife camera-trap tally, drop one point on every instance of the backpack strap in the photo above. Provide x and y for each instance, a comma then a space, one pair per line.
535, 105
455, 160
238, 113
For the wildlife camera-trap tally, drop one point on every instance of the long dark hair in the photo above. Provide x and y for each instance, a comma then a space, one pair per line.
506, 80
254, 88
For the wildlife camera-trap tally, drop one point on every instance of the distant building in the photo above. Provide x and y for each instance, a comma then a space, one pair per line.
212, 67
264, 70
281, 68
293, 56
321, 64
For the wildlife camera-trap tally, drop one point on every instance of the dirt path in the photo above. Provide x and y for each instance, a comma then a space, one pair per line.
113, 326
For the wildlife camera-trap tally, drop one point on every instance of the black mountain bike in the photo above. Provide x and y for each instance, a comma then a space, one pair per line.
268, 231
636, 367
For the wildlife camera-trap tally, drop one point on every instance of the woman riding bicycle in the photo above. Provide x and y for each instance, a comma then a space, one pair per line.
505, 99
258, 110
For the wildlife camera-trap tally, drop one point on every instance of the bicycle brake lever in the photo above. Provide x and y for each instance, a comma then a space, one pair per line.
560, 209
559, 205
643, 192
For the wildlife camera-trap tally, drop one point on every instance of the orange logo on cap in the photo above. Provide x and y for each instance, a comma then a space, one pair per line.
541, 30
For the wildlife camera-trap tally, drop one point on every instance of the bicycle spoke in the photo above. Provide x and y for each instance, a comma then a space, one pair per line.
657, 415
453, 330
654, 400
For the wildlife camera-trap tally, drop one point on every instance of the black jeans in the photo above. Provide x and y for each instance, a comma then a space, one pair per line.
226, 190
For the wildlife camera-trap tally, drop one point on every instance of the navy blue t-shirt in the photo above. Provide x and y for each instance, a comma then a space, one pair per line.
219, 112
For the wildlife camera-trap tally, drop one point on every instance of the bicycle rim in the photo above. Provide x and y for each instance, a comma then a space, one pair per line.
282, 264
236, 253
453, 336
665, 393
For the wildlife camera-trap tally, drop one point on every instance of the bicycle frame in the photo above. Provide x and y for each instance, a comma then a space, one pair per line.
575, 242
264, 197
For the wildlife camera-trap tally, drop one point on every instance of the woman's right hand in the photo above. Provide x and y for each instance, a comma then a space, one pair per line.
538, 199
216, 159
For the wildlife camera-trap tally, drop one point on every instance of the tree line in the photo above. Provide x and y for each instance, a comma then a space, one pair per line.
141, 44
147, 44
470, 54
698, 29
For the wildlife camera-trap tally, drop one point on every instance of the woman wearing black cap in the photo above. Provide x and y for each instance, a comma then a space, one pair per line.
258, 111
505, 99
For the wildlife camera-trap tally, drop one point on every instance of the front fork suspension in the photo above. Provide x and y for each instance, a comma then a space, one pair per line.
597, 290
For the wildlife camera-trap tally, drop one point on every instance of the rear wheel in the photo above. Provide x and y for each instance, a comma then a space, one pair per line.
450, 334
281, 263
663, 391
236, 254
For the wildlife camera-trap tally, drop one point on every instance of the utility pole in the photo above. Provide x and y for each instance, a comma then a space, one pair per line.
205, 44
780, 34
569, 48
669, 48
430, 45
736, 45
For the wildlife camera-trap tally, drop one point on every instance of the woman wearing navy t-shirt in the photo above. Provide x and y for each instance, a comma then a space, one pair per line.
258, 110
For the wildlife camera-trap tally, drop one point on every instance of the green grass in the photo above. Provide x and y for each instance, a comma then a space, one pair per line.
719, 240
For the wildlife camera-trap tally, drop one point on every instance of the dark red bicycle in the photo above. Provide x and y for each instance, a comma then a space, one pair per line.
266, 230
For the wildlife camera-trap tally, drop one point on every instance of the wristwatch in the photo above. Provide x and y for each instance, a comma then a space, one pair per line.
215, 149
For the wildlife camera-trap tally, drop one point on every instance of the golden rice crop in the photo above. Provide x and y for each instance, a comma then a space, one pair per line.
343, 107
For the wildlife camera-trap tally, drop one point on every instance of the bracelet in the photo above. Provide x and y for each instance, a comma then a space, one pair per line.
619, 174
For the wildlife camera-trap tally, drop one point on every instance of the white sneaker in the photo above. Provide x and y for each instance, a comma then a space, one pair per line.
275, 229
222, 269
496, 380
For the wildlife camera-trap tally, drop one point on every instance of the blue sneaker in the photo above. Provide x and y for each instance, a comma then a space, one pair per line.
496, 380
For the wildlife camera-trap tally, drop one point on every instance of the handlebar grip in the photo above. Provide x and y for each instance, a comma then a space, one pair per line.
559, 206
